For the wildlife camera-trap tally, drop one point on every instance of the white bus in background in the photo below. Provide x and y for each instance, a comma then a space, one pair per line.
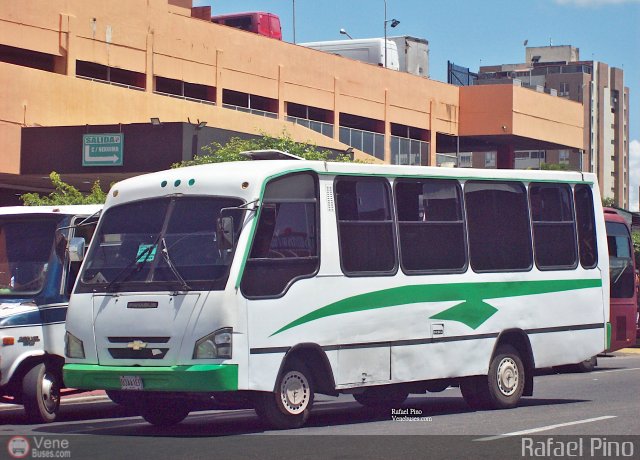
36, 279
270, 281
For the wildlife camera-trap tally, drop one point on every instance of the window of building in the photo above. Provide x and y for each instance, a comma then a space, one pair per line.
490, 159
285, 246
365, 226
564, 89
115, 75
554, 236
498, 226
431, 226
585, 221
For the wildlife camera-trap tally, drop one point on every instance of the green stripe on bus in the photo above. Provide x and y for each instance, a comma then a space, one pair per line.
473, 310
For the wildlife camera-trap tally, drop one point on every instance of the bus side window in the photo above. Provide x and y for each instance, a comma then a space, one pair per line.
365, 226
554, 235
285, 245
585, 220
431, 227
498, 222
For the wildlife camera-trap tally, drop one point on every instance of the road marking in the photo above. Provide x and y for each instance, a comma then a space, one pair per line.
545, 428
617, 370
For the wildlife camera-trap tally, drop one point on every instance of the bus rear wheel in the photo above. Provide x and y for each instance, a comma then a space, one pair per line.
290, 405
502, 388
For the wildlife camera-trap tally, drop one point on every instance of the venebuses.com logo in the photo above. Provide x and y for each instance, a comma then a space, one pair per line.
18, 447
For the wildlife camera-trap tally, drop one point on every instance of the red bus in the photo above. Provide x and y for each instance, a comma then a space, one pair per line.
623, 296
267, 24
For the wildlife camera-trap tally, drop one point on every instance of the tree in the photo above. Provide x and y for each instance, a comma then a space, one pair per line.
554, 167
65, 194
219, 153
608, 202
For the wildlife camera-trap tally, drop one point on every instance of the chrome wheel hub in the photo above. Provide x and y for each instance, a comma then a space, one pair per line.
507, 376
295, 392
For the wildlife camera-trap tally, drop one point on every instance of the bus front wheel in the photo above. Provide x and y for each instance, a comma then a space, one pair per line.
164, 412
502, 388
290, 405
41, 393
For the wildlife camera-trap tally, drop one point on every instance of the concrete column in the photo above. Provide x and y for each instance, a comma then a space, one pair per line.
67, 64
506, 157
281, 105
432, 135
387, 129
336, 109
219, 79
149, 63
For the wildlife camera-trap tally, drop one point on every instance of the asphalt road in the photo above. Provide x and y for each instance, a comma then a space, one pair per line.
602, 407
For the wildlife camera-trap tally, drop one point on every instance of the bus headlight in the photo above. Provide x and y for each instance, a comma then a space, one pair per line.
73, 346
215, 345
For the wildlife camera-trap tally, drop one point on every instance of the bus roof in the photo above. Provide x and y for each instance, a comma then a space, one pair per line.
246, 178
85, 209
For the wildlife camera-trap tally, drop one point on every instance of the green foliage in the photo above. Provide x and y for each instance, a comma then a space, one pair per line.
65, 194
635, 236
219, 153
554, 167
608, 202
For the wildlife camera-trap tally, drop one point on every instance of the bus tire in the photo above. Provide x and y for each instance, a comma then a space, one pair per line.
163, 412
502, 388
290, 404
41, 393
506, 379
381, 397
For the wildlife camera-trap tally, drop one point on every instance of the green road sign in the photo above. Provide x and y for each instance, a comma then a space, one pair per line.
102, 149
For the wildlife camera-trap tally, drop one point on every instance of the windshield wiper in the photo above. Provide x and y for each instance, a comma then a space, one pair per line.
167, 259
140, 259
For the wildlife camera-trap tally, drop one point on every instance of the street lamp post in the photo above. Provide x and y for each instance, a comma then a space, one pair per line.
394, 23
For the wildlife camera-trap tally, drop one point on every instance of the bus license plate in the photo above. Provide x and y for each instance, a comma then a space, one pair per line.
131, 382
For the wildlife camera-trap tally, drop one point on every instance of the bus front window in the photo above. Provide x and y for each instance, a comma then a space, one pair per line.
26, 244
160, 244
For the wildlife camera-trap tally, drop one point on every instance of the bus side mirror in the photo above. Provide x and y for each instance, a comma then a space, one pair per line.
224, 233
76, 249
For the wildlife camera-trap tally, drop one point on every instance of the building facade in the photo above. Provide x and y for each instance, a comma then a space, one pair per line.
96, 65
600, 89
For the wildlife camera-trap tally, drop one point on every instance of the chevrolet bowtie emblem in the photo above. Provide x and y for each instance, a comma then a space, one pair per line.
137, 345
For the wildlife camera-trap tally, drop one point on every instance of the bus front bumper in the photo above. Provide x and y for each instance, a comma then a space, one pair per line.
191, 378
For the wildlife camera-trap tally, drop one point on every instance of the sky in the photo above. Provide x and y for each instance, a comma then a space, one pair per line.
472, 33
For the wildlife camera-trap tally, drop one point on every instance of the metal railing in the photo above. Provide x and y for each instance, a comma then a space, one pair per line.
186, 98
405, 151
325, 129
262, 113
112, 83
367, 141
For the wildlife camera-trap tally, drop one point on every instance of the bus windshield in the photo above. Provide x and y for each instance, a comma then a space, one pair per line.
26, 244
160, 244
620, 264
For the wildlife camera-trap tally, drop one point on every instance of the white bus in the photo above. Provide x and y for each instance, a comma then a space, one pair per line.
270, 281
36, 279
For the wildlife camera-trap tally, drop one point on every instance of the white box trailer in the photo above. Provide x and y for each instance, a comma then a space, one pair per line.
413, 55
